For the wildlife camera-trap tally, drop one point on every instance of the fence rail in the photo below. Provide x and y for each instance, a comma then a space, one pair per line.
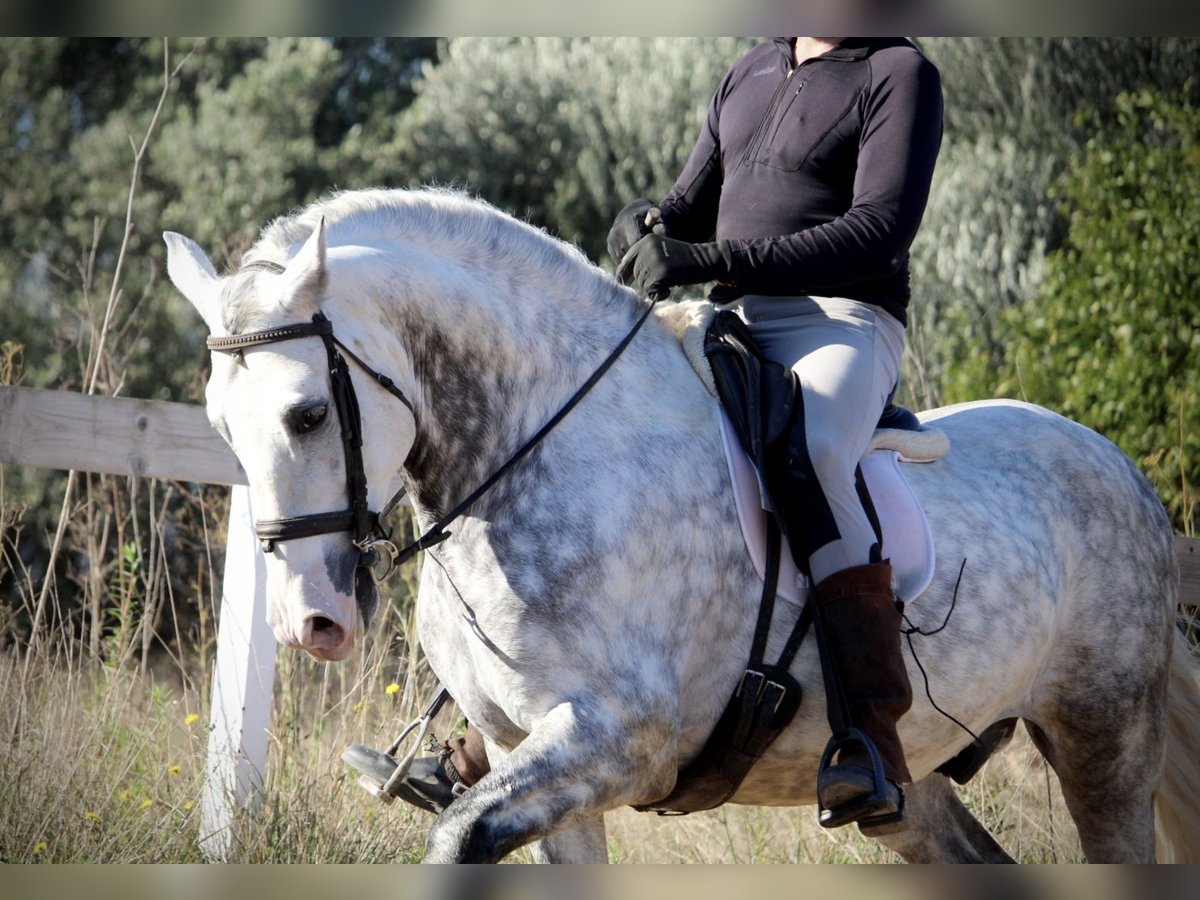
117, 435
1187, 551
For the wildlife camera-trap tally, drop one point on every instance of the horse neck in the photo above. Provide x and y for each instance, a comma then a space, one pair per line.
493, 362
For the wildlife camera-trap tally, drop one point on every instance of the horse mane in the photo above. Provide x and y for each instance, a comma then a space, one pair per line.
443, 221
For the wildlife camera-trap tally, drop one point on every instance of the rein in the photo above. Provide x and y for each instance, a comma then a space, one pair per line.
368, 535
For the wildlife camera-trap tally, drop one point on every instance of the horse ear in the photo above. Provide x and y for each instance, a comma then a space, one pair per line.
193, 274
306, 276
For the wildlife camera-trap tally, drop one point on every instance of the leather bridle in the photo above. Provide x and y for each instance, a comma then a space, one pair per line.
374, 545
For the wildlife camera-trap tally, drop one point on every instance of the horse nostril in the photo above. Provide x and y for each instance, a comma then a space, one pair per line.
321, 633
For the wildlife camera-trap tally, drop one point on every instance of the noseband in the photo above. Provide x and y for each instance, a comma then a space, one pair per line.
373, 543
368, 536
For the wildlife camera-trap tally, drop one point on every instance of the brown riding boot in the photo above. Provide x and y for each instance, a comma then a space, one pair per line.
433, 782
860, 622
468, 756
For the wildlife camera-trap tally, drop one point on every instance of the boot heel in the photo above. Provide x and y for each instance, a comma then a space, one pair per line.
879, 826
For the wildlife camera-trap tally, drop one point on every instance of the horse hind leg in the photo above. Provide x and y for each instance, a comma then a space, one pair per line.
1108, 781
940, 829
1106, 738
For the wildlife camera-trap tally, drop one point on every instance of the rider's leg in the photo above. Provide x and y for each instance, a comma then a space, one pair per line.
846, 356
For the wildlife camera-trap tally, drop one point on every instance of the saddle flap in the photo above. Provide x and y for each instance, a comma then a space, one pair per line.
757, 393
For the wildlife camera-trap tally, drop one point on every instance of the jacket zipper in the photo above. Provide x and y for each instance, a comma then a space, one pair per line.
770, 139
756, 141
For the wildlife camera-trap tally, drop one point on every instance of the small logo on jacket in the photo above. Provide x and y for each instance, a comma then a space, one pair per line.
758, 72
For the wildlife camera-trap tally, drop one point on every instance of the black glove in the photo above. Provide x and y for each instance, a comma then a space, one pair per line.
658, 263
628, 228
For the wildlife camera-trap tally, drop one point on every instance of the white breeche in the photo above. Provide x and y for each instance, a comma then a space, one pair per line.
846, 355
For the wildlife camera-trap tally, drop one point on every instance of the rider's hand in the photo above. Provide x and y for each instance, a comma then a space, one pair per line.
629, 226
657, 264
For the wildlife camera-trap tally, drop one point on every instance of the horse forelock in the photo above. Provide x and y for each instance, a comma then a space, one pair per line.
240, 301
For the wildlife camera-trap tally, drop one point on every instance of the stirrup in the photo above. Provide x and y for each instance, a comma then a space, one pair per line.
878, 812
376, 774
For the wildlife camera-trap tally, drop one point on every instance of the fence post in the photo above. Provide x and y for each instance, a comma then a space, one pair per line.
242, 686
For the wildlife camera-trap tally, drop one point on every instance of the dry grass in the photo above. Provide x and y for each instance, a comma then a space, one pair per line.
1016, 796
105, 764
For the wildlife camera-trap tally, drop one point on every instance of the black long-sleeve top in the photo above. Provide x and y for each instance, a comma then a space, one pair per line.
817, 175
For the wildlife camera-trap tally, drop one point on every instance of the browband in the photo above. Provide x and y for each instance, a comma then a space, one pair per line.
226, 344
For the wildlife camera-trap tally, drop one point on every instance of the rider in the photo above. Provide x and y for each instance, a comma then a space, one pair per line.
800, 200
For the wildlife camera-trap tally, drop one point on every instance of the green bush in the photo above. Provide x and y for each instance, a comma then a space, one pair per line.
563, 131
1010, 129
1113, 337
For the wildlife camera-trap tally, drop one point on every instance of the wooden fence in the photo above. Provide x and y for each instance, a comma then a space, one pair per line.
149, 438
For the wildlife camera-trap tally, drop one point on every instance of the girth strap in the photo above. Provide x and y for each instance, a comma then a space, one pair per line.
762, 398
764, 703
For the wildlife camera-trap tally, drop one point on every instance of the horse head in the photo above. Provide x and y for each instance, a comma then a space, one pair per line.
275, 404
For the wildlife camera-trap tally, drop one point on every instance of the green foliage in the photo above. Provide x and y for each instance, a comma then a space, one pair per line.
1030, 88
563, 131
981, 247
1113, 337
1010, 126
245, 153
252, 129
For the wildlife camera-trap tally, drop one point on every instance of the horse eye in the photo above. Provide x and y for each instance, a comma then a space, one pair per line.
308, 418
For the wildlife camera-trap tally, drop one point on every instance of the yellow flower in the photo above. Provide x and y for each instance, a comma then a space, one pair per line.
173, 770
39, 848
187, 804
392, 688
147, 803
92, 816
191, 719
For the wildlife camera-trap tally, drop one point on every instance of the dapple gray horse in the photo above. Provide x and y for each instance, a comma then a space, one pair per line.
592, 613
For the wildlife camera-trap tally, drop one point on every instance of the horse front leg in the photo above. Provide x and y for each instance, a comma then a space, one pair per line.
584, 843
555, 787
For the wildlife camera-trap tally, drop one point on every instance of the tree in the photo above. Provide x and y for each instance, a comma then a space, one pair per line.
1113, 336
561, 131
1010, 129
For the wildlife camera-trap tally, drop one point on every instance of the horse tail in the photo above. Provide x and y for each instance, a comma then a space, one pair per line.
1177, 805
